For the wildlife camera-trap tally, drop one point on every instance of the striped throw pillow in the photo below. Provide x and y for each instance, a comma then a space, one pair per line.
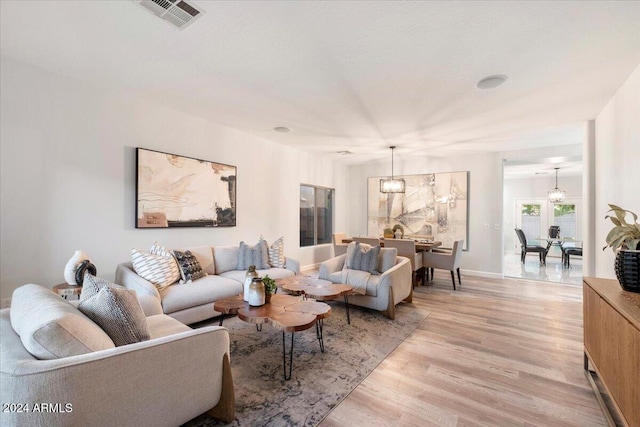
276, 253
365, 258
160, 270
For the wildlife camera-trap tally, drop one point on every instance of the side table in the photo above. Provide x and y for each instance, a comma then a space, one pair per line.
65, 289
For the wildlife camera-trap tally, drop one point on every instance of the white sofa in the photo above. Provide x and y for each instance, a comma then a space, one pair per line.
384, 290
168, 380
193, 302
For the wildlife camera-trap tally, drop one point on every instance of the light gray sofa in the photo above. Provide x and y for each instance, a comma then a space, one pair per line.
383, 291
168, 380
193, 302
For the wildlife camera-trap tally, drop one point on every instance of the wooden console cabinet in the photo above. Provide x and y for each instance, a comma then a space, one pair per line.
612, 344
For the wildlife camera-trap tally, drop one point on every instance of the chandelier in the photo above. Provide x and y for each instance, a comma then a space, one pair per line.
392, 185
556, 195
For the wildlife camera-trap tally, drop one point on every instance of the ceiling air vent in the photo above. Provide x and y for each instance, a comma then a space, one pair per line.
178, 12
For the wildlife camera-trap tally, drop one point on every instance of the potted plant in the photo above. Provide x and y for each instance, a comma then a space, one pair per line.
624, 239
270, 287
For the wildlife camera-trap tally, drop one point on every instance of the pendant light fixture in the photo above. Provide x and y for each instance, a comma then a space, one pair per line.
556, 195
392, 185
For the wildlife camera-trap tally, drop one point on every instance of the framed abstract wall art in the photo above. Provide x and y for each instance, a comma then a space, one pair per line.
434, 204
179, 191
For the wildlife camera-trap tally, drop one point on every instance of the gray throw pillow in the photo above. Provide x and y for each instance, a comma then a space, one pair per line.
257, 255
365, 258
117, 311
92, 285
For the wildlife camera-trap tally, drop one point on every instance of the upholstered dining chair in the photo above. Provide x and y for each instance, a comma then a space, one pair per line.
339, 248
407, 249
373, 241
525, 248
445, 260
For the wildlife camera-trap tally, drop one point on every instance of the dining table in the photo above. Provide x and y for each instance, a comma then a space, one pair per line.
421, 245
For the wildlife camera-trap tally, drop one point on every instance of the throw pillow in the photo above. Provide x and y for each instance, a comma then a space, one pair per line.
276, 253
190, 268
160, 270
92, 285
257, 255
156, 249
72, 265
365, 258
117, 311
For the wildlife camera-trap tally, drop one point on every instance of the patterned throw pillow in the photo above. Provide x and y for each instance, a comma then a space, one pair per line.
117, 311
365, 258
160, 270
156, 249
92, 285
276, 253
257, 255
190, 268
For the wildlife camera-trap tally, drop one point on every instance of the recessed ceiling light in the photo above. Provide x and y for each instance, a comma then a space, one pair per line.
491, 81
282, 129
344, 152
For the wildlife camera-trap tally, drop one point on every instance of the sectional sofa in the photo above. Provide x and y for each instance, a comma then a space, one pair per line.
193, 302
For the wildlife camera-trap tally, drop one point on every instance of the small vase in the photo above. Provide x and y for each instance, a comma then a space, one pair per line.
251, 274
627, 266
256, 292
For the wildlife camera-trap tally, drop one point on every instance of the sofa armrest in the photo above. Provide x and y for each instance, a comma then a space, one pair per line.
397, 279
331, 266
136, 384
292, 264
127, 277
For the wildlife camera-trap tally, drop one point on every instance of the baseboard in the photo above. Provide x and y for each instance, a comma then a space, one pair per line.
485, 274
310, 267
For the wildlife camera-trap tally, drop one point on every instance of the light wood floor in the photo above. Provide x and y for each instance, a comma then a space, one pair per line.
493, 353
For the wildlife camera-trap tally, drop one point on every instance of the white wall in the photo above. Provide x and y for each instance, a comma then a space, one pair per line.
617, 156
485, 201
535, 188
68, 176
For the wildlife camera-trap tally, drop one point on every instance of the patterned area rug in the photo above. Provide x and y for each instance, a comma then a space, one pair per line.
319, 380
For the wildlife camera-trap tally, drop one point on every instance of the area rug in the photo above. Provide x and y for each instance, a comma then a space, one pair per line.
319, 380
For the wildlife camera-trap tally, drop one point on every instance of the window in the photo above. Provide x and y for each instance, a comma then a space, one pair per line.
564, 216
316, 215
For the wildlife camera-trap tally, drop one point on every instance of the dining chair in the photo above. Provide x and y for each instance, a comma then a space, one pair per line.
568, 249
445, 260
407, 249
525, 248
339, 248
373, 241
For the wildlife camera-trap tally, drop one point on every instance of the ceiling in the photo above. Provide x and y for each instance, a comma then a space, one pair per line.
351, 75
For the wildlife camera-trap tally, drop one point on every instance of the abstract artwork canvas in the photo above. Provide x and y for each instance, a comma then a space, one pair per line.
434, 204
178, 191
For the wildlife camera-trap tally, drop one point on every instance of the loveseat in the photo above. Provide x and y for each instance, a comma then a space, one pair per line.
193, 302
80, 378
383, 288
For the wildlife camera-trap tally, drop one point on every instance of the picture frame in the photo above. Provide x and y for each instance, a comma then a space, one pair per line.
175, 191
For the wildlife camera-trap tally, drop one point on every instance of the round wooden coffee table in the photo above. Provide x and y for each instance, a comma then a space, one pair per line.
285, 313
318, 289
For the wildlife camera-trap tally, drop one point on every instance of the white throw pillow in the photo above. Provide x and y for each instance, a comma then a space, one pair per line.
160, 270
72, 265
276, 253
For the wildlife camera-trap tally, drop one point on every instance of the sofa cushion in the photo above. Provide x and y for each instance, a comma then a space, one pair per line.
204, 255
162, 325
274, 273
387, 259
276, 253
190, 268
117, 311
257, 255
225, 258
92, 285
202, 291
157, 269
50, 327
